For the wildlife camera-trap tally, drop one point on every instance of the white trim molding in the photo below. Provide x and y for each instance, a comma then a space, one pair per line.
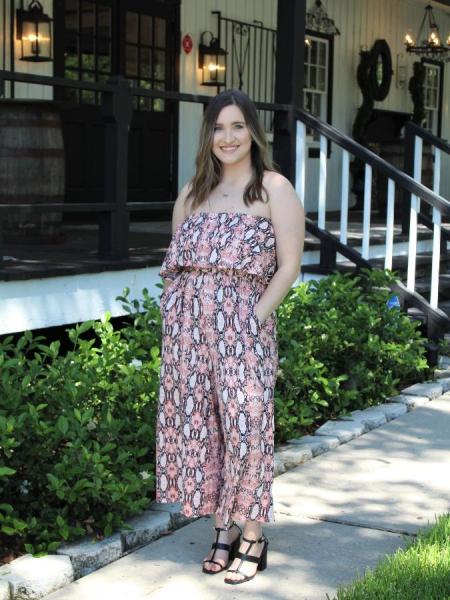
50, 302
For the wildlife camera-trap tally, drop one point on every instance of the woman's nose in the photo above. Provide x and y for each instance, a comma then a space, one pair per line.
228, 135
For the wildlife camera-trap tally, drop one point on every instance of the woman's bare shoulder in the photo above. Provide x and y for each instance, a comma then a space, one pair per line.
276, 183
283, 199
180, 207
282, 194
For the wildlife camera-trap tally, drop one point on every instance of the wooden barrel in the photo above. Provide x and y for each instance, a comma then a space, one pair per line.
32, 168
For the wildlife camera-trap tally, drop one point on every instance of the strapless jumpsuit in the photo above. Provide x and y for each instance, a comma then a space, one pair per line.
219, 363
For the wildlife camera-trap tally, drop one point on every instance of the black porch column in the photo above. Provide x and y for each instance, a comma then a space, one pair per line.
288, 80
117, 110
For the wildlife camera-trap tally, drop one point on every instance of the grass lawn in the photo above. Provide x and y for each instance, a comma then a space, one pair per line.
420, 571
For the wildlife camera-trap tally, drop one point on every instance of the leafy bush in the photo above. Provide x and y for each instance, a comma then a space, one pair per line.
77, 432
341, 348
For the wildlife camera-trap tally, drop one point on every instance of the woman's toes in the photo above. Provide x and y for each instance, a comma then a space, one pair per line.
235, 576
210, 566
247, 568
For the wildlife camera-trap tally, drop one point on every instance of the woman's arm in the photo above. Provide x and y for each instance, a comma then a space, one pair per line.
288, 218
179, 214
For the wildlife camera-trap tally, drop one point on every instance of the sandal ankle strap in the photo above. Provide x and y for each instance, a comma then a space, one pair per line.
229, 527
261, 539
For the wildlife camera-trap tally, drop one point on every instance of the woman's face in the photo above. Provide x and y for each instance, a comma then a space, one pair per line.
232, 140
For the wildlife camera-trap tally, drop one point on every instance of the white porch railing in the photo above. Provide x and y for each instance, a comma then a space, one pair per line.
396, 180
414, 138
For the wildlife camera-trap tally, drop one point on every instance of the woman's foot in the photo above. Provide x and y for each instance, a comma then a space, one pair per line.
246, 568
221, 556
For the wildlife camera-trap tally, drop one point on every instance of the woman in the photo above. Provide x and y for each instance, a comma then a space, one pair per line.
238, 233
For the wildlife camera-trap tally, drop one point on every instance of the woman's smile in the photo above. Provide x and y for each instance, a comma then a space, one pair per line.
229, 148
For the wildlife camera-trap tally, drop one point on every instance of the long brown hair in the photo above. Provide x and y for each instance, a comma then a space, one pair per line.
208, 166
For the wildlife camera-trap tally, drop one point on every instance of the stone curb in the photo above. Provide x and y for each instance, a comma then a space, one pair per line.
5, 590
30, 578
438, 373
430, 390
25, 577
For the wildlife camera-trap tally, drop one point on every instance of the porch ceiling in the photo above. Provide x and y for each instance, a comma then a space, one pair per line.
443, 5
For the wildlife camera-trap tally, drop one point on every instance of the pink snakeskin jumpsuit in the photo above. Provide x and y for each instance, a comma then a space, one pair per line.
219, 362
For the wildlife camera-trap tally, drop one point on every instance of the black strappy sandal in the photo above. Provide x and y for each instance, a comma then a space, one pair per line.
261, 560
232, 549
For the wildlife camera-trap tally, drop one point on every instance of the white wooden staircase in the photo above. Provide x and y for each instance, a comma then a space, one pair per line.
345, 240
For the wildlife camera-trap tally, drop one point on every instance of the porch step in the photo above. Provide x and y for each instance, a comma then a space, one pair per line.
415, 314
445, 306
355, 229
355, 235
399, 264
418, 315
423, 286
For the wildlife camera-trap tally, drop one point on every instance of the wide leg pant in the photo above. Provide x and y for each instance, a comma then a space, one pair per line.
215, 421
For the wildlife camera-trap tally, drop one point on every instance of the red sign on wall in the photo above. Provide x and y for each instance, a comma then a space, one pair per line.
187, 44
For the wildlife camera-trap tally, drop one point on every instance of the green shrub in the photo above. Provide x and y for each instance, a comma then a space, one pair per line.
341, 348
77, 432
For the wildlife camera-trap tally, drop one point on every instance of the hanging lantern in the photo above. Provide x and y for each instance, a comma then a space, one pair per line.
212, 61
34, 30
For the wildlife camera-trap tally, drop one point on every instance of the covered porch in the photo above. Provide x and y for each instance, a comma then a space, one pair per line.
112, 220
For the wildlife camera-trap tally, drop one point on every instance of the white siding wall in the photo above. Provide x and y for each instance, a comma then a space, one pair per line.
361, 22
196, 17
45, 68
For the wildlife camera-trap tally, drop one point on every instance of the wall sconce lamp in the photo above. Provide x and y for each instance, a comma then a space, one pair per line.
34, 30
212, 61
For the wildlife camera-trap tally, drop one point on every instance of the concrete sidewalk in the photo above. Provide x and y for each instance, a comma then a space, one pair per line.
335, 515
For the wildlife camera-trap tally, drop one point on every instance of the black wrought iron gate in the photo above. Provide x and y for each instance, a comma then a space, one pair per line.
251, 59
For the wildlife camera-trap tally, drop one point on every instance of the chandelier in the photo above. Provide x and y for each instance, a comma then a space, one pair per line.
431, 45
318, 20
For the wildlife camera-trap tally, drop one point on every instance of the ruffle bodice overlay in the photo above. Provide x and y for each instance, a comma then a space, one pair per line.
225, 240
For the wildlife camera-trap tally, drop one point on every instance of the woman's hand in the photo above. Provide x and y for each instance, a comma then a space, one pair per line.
261, 320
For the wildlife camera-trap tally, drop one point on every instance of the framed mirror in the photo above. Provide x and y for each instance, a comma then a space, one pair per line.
380, 73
